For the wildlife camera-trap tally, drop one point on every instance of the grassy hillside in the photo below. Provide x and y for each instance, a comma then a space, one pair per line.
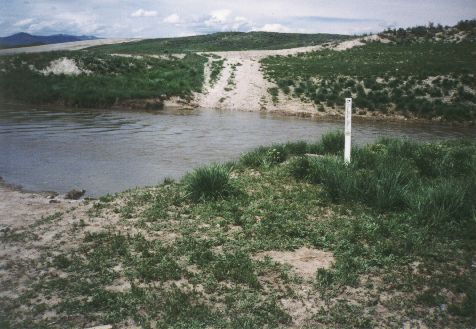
399, 222
222, 42
99, 79
464, 30
423, 78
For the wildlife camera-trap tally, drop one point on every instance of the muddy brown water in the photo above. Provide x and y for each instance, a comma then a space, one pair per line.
107, 151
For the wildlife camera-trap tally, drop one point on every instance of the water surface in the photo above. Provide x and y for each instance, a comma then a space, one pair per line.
106, 151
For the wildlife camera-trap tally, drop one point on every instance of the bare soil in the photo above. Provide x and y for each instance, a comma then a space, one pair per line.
248, 90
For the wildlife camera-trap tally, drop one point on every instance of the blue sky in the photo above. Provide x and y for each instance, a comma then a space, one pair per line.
162, 18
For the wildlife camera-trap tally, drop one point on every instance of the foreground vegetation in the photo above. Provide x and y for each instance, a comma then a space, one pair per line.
399, 221
100, 79
223, 41
423, 78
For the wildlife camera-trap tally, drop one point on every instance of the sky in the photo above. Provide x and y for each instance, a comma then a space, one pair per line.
172, 18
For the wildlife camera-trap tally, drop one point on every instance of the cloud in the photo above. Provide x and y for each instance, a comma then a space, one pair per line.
274, 28
172, 19
23, 22
218, 21
144, 13
77, 23
218, 17
319, 24
241, 23
112, 18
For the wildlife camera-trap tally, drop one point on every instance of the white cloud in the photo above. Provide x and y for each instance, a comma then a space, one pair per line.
241, 23
144, 13
172, 19
77, 23
220, 20
112, 18
23, 22
218, 17
274, 28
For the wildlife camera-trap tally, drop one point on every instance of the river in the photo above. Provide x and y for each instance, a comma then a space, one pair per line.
107, 151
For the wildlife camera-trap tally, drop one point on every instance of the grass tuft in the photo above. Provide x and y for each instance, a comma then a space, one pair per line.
209, 182
445, 204
332, 142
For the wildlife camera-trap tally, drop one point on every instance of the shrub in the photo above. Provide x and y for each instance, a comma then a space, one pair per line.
386, 187
274, 155
254, 158
428, 158
332, 142
443, 159
284, 85
368, 156
274, 92
399, 147
296, 148
208, 182
459, 159
299, 168
268, 156
338, 180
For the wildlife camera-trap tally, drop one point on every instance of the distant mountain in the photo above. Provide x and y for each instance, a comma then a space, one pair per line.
24, 39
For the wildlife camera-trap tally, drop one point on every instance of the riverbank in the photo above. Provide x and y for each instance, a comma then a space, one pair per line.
19, 208
78, 145
286, 236
303, 81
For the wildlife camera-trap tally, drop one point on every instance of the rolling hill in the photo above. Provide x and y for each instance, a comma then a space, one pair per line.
224, 41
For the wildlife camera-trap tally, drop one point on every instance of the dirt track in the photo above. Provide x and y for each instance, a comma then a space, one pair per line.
242, 86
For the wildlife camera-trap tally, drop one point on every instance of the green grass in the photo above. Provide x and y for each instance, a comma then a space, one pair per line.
208, 182
385, 77
399, 219
378, 60
113, 79
223, 41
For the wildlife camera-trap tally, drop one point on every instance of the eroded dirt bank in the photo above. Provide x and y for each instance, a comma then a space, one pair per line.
243, 86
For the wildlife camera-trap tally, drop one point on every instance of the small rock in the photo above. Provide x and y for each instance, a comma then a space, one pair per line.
74, 194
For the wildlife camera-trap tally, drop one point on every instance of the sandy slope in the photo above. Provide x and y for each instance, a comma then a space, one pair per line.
247, 90
76, 45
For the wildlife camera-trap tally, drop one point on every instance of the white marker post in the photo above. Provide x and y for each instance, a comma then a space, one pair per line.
348, 129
